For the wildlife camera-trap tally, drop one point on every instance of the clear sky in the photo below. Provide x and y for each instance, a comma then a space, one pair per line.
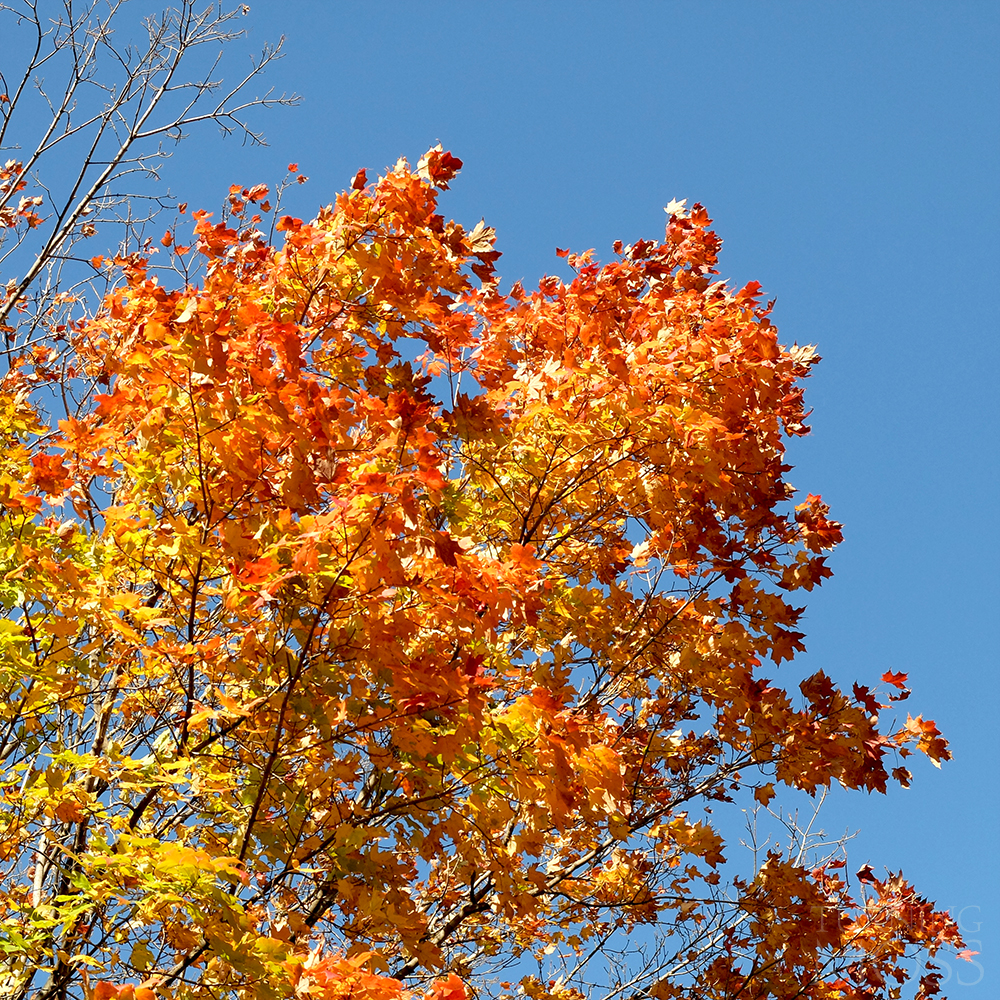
849, 155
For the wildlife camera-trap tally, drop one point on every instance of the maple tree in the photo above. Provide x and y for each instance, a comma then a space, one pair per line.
371, 631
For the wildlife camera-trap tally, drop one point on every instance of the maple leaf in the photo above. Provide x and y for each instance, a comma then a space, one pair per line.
438, 167
764, 794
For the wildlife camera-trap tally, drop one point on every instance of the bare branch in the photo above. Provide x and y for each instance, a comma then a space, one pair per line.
116, 104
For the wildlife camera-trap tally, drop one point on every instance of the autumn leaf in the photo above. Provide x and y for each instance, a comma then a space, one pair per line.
764, 794
896, 680
865, 874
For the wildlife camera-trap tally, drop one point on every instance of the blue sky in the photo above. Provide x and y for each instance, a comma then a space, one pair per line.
849, 155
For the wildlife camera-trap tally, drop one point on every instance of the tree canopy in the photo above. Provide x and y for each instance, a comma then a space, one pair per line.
372, 631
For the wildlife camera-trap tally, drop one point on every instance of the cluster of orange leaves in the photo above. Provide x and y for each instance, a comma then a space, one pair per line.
12, 181
398, 617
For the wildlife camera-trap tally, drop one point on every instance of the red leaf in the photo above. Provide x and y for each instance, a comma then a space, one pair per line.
896, 680
863, 696
447, 548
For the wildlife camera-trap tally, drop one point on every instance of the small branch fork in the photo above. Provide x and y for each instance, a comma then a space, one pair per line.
80, 97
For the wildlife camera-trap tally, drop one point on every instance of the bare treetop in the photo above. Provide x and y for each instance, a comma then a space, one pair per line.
81, 91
